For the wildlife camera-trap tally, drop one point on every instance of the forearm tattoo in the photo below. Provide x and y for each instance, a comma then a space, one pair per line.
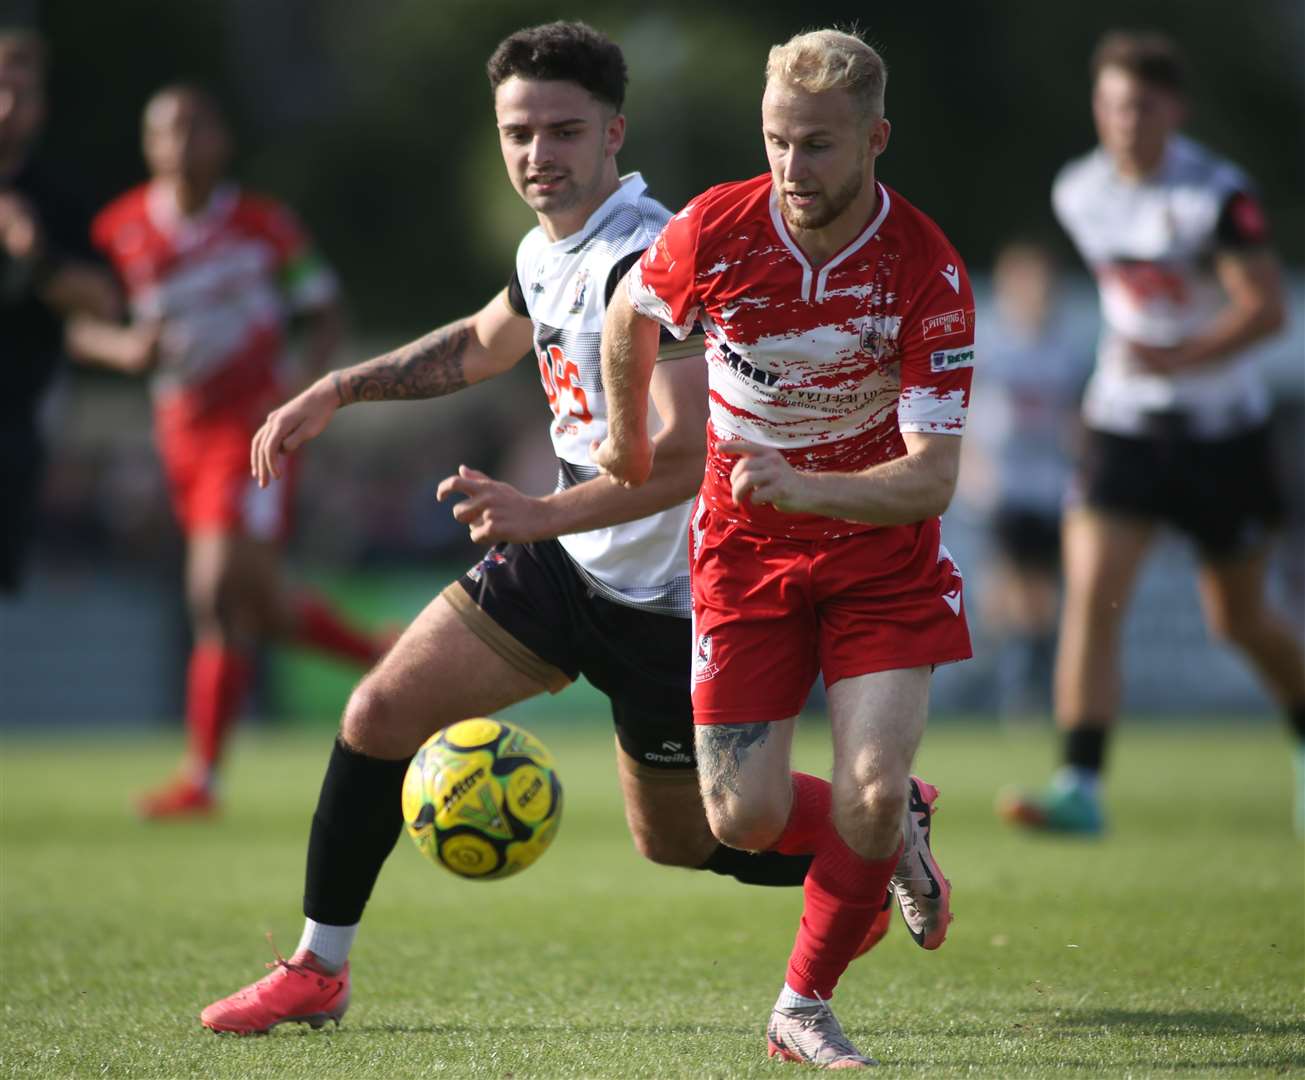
429, 367
722, 749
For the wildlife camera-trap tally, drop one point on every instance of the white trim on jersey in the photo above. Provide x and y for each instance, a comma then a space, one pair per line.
821, 279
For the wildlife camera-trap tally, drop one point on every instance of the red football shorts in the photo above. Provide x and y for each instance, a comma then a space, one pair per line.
770, 613
206, 460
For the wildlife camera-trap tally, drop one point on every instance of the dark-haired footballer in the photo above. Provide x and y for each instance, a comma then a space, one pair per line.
591, 579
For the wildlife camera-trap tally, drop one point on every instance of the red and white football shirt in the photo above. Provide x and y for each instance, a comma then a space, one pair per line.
223, 282
829, 364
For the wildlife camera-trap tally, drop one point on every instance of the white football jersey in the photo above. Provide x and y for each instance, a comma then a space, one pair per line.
563, 286
1150, 244
1030, 387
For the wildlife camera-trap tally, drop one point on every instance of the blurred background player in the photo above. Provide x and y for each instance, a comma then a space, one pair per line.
47, 272
1176, 414
840, 343
213, 275
592, 579
1018, 452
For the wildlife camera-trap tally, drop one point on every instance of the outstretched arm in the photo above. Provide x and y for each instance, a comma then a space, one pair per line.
629, 356
446, 360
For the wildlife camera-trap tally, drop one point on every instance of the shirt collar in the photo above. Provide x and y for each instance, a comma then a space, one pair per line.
632, 186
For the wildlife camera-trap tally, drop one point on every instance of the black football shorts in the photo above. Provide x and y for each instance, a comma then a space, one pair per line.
1027, 538
531, 606
1223, 493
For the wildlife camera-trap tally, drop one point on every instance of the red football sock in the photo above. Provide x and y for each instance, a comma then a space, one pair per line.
319, 627
216, 681
809, 817
842, 894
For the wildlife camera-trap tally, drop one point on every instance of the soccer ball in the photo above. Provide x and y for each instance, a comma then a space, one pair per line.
482, 798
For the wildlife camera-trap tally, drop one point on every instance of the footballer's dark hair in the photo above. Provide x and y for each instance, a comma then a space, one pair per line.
1151, 57
565, 52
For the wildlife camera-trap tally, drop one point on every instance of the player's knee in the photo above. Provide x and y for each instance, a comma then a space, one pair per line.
208, 616
869, 816
666, 849
748, 825
370, 723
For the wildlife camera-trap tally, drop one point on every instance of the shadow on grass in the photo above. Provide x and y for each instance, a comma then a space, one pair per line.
1185, 1022
544, 1030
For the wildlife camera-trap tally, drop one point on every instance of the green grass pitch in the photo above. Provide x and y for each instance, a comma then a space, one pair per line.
1174, 947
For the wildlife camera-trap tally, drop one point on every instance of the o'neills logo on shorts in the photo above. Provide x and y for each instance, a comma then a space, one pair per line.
949, 322
703, 668
674, 754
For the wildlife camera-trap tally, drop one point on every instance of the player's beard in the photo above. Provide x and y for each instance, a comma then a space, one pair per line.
567, 195
570, 194
828, 209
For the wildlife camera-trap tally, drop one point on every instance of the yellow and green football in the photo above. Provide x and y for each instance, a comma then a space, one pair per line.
482, 798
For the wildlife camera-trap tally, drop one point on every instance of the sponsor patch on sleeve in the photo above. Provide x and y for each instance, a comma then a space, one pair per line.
944, 325
951, 359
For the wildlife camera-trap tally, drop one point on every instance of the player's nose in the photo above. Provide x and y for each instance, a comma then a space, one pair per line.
794, 167
541, 150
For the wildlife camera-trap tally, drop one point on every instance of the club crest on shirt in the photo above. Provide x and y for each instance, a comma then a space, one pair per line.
580, 289
879, 335
703, 668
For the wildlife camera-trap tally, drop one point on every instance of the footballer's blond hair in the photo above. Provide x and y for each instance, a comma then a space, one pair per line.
822, 60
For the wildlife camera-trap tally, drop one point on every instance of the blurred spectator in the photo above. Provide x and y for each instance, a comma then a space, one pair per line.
213, 274
46, 273
1175, 411
1029, 382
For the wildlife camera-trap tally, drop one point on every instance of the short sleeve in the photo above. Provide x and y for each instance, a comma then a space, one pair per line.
936, 346
516, 296
304, 275
1242, 224
619, 269
662, 285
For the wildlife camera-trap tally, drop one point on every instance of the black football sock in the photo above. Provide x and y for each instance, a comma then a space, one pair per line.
357, 822
1296, 721
764, 868
1085, 748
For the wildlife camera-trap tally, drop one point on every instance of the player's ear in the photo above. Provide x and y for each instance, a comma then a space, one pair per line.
880, 130
615, 134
